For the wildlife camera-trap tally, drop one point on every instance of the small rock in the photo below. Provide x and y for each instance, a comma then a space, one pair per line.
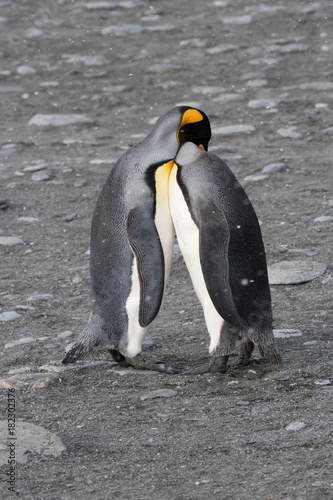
324, 218
220, 49
323, 382
273, 167
311, 342
260, 409
35, 166
255, 177
10, 241
123, 30
295, 272
25, 70
237, 19
27, 220
295, 426
326, 86
26, 340
230, 130
58, 120
33, 33
40, 297
264, 103
65, 335
287, 333
289, 133
30, 439
99, 5
96, 60
9, 316
160, 393
40, 176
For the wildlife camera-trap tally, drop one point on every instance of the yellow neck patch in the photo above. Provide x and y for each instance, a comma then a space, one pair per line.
190, 116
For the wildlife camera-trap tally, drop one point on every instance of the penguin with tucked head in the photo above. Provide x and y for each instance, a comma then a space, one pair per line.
132, 239
219, 236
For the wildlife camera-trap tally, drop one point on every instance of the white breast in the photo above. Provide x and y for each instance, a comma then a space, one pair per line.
188, 240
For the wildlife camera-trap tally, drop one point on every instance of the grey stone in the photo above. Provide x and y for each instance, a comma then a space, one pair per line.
260, 409
123, 30
323, 382
65, 335
256, 83
52, 368
40, 176
33, 33
58, 120
273, 167
324, 218
100, 5
291, 48
96, 60
287, 333
9, 316
30, 438
160, 393
26, 340
27, 220
295, 426
289, 133
35, 166
264, 103
25, 70
295, 272
255, 177
230, 130
40, 297
246, 19
220, 49
325, 86
10, 240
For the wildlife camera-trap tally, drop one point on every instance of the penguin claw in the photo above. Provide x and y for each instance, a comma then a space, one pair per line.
140, 363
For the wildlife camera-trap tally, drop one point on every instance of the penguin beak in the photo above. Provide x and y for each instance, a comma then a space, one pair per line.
201, 147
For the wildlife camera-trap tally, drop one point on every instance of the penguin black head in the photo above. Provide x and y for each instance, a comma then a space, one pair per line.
177, 126
194, 127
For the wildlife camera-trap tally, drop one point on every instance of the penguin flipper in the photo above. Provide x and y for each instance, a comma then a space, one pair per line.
146, 246
213, 246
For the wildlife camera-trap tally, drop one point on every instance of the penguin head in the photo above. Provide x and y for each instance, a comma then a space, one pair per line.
179, 125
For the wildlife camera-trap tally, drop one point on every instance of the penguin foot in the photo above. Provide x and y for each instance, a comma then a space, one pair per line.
140, 363
217, 364
246, 350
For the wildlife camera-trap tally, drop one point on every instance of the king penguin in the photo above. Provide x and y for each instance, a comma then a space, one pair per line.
132, 239
219, 236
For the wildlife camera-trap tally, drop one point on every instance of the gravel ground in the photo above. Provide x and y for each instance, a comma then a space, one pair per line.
80, 83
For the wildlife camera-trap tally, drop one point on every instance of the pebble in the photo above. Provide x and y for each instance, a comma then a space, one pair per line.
25, 340
324, 218
10, 241
255, 177
160, 393
35, 166
33, 33
287, 333
9, 316
40, 297
256, 83
58, 120
27, 220
230, 130
247, 19
124, 30
295, 426
317, 86
52, 368
311, 342
220, 49
96, 60
323, 382
65, 335
260, 409
264, 103
25, 70
273, 167
289, 133
295, 272
30, 439
41, 175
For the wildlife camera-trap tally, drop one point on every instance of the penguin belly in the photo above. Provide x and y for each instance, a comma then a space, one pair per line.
188, 240
164, 225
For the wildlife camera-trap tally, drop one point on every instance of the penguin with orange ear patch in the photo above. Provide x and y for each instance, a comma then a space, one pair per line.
219, 236
132, 238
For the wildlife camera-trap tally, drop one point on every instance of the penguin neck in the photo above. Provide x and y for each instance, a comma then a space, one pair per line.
162, 217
